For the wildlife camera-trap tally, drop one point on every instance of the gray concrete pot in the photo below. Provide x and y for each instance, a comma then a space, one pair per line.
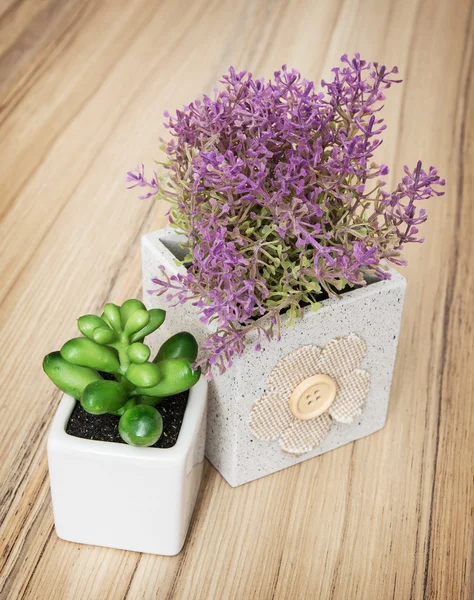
372, 313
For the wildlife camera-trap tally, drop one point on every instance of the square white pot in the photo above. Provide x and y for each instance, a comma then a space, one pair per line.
119, 496
373, 313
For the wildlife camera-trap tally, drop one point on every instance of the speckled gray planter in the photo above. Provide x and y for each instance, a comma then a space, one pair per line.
373, 313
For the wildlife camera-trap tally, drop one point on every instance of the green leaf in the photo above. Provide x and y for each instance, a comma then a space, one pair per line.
104, 335
88, 323
157, 317
128, 404
101, 397
143, 375
112, 313
86, 353
141, 425
180, 345
129, 307
71, 379
148, 400
176, 375
136, 321
138, 353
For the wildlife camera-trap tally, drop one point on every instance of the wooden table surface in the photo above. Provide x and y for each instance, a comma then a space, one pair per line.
83, 85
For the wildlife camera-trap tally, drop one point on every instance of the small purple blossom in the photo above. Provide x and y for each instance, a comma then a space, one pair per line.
137, 179
275, 187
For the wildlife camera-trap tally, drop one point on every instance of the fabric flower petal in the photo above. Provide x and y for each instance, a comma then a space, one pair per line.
303, 436
341, 356
351, 395
270, 416
293, 369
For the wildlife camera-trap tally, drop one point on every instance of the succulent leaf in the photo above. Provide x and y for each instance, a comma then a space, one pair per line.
141, 425
149, 400
86, 353
104, 335
180, 345
130, 402
71, 379
157, 317
143, 375
129, 307
101, 397
176, 375
112, 312
138, 353
136, 321
87, 324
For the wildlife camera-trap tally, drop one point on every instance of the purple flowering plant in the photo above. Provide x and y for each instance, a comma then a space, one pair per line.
273, 184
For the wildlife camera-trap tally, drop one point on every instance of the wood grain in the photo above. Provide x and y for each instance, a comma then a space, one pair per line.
83, 85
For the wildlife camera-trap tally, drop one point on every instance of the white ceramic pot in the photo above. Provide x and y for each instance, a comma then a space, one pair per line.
119, 496
372, 313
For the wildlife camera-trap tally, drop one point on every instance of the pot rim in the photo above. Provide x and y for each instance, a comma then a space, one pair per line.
188, 434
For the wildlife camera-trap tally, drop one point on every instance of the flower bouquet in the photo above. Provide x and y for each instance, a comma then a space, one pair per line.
281, 240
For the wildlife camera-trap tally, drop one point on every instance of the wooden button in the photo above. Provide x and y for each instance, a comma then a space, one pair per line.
312, 397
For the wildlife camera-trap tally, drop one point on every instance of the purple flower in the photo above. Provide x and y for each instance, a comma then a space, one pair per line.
137, 179
275, 187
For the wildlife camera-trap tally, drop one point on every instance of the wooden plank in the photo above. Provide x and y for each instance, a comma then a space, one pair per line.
82, 89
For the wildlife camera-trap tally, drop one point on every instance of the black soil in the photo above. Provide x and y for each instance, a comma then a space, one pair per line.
104, 428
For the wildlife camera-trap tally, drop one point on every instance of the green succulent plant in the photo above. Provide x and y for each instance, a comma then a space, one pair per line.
132, 385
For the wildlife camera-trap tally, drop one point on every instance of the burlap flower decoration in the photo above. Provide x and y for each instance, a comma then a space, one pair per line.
271, 417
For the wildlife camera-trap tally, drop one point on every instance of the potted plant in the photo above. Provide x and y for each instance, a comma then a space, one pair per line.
280, 217
126, 446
